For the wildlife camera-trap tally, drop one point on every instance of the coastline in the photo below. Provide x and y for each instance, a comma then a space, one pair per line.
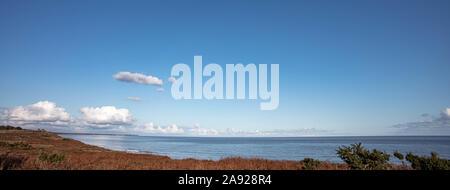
31, 150
24, 149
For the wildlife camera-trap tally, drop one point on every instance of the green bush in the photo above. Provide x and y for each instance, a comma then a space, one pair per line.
359, 158
398, 155
21, 145
7, 127
53, 158
428, 163
310, 164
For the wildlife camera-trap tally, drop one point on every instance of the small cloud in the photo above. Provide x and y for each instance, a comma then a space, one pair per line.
138, 78
425, 115
160, 89
105, 116
445, 114
136, 99
149, 128
172, 79
198, 131
277, 132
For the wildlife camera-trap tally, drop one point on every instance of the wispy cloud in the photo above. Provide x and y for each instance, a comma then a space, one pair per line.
160, 89
199, 131
439, 125
278, 132
171, 79
138, 78
136, 99
149, 128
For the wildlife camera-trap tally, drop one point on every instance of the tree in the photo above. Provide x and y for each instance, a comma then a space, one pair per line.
359, 158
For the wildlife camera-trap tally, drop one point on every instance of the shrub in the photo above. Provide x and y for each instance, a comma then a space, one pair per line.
22, 145
428, 163
8, 127
310, 164
359, 158
398, 155
53, 158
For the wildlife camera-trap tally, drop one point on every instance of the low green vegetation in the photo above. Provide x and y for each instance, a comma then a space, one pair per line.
52, 158
7, 127
357, 157
310, 164
428, 163
20, 145
398, 155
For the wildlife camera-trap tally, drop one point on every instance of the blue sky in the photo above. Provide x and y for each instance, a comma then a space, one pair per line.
346, 67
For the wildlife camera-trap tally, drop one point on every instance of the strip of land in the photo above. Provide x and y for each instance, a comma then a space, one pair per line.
31, 149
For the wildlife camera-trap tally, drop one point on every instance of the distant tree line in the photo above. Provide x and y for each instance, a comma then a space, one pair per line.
8, 127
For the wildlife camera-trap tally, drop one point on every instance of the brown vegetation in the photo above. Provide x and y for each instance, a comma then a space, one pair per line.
28, 149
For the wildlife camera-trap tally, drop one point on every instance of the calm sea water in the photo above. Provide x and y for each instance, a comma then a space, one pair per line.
276, 148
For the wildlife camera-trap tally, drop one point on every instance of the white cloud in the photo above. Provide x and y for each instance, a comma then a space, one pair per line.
277, 132
160, 89
105, 116
43, 112
173, 129
197, 130
149, 128
172, 79
432, 126
47, 115
138, 78
136, 99
445, 114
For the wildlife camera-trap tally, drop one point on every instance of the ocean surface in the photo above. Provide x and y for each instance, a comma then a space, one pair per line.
275, 148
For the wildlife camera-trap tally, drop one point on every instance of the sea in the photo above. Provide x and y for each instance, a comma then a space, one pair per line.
274, 148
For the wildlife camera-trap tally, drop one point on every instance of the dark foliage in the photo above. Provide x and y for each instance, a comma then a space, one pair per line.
7, 127
359, 158
310, 164
428, 163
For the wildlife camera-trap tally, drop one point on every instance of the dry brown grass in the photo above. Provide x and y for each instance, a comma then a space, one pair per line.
80, 156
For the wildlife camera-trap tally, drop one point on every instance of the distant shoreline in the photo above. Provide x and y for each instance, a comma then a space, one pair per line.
62, 133
331, 136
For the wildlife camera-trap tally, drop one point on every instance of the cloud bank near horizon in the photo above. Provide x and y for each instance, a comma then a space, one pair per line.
431, 125
47, 115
